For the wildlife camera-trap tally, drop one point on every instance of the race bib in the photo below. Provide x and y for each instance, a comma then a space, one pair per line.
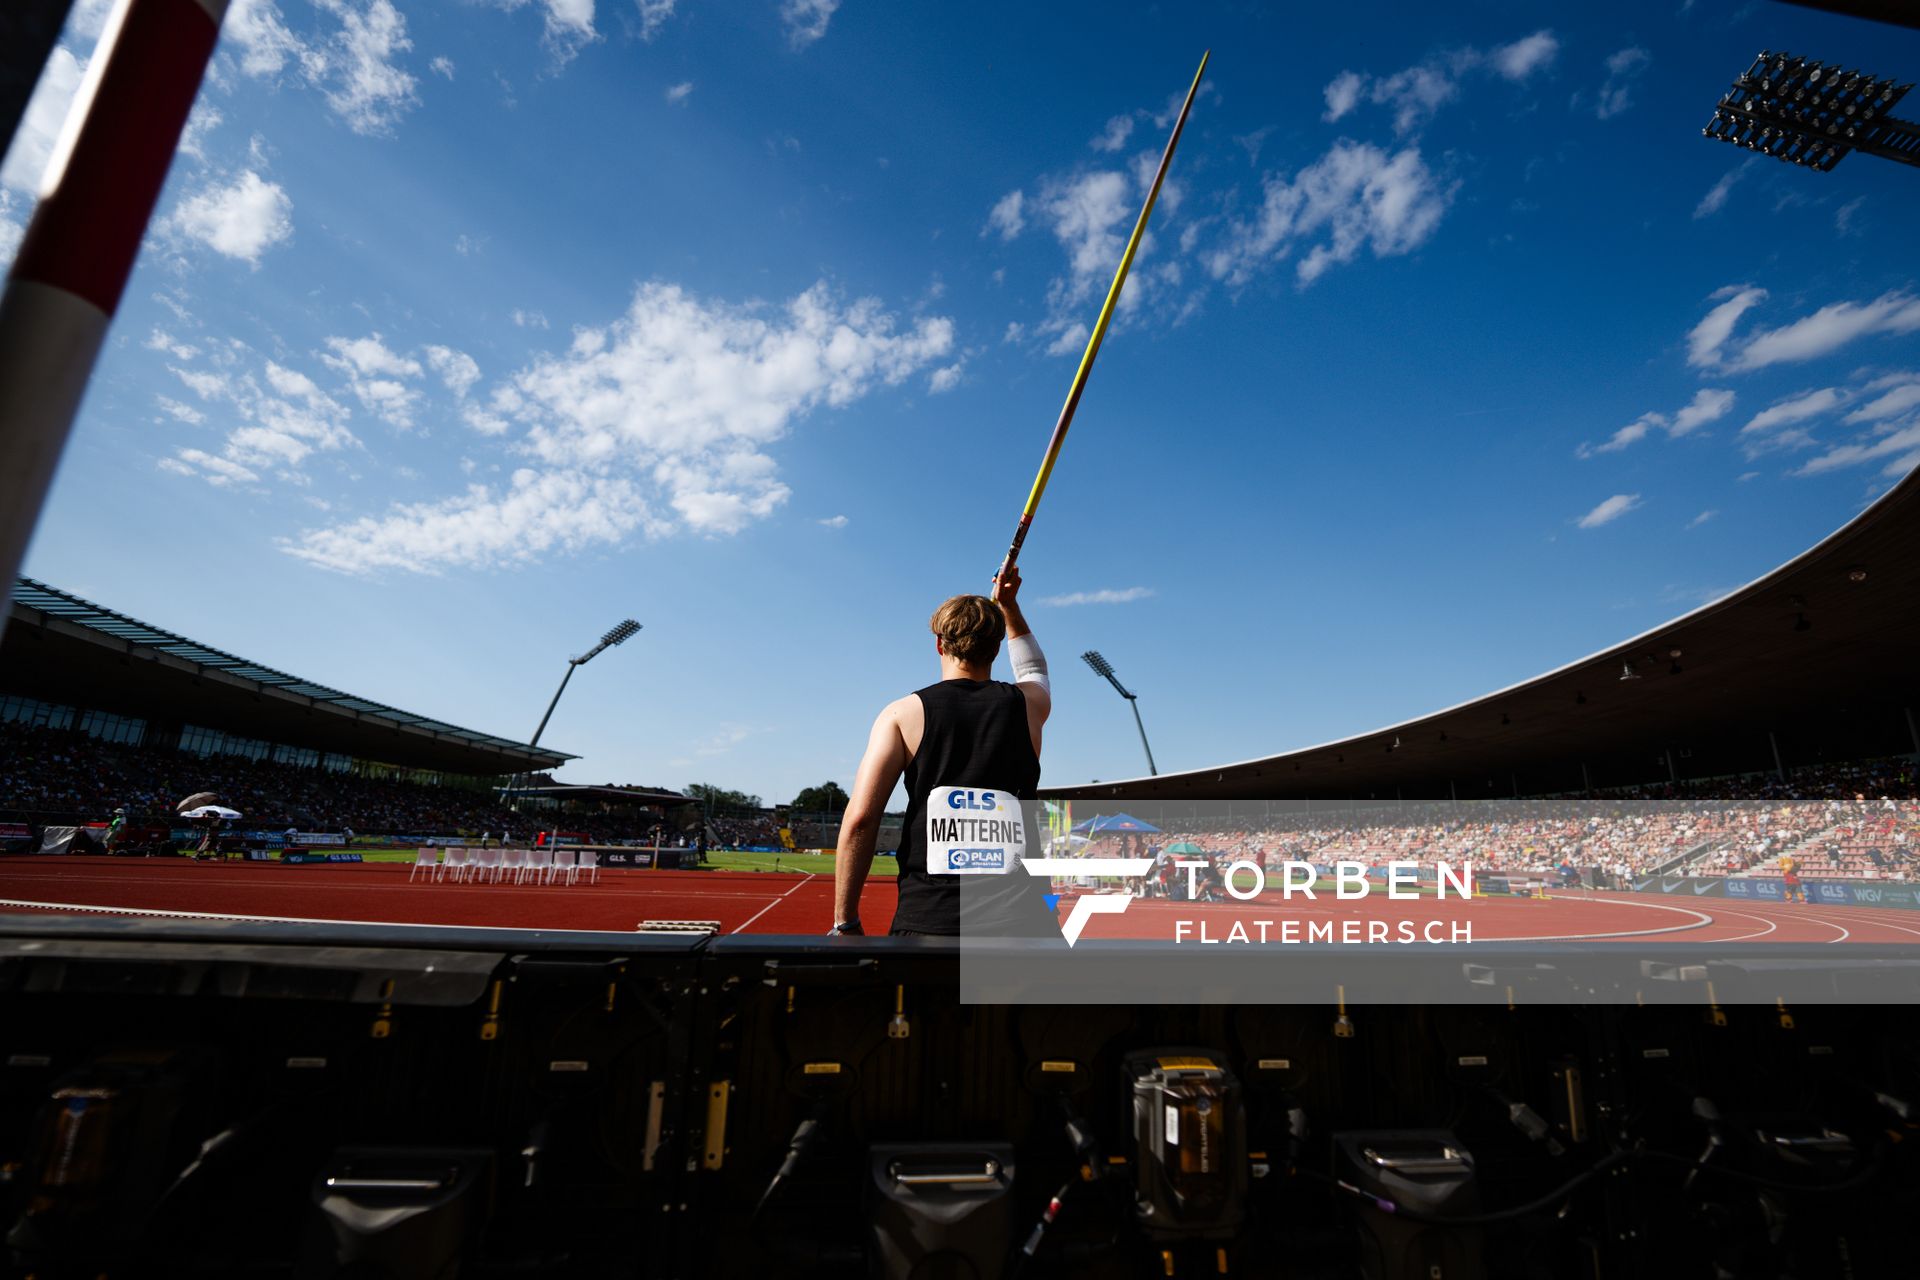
972, 831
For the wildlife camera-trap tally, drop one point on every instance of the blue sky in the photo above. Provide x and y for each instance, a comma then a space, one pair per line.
464, 330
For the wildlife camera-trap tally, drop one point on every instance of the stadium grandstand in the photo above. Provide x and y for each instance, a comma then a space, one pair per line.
1811, 664
100, 711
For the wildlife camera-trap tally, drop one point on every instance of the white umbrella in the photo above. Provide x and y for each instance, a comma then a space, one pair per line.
211, 811
197, 798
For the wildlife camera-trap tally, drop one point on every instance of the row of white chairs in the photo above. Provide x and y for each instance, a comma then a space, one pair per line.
495, 865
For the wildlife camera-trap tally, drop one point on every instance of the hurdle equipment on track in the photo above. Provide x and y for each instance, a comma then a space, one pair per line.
678, 926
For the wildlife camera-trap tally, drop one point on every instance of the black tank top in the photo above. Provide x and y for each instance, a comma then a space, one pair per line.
976, 736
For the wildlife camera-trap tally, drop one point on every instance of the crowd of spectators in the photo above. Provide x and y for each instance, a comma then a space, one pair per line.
1859, 821
66, 778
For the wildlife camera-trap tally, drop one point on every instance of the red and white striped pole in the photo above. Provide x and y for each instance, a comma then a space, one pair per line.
101, 184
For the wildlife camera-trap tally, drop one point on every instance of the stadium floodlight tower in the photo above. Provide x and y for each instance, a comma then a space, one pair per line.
1812, 114
1104, 669
618, 634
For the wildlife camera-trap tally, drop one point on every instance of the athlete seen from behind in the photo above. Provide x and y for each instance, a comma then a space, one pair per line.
969, 744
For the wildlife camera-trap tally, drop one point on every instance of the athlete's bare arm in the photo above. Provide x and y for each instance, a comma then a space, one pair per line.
1006, 594
896, 733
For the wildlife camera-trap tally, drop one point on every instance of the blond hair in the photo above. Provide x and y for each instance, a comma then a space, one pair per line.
970, 629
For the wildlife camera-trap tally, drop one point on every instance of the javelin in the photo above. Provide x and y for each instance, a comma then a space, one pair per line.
1099, 330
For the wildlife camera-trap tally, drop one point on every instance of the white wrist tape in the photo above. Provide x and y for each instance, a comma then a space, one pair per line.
1029, 664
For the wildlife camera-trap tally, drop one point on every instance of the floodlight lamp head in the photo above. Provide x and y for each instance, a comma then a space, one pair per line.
1101, 667
621, 633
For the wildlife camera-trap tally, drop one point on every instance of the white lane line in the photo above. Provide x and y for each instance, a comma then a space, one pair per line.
213, 915
1845, 933
601, 891
1771, 924
771, 905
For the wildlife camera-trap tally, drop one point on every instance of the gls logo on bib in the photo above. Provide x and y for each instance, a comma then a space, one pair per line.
973, 832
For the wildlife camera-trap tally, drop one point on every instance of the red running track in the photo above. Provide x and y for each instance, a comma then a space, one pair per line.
381, 893
770, 902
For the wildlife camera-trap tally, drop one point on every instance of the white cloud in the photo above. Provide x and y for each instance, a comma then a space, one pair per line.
1902, 446
1706, 406
1701, 519
278, 425
88, 18
1610, 510
221, 473
12, 229
1843, 217
806, 20
534, 514
1115, 135
1087, 213
202, 120
161, 340
183, 412
679, 93
242, 219
1354, 197
485, 421
442, 66
258, 32
375, 375
1716, 197
363, 83
39, 128
653, 15
1830, 328
529, 319
1631, 434
945, 378
1890, 404
456, 368
1707, 337
833, 522
1069, 340
1798, 408
1343, 94
1624, 70
1524, 56
1007, 217
1124, 595
655, 422
1416, 93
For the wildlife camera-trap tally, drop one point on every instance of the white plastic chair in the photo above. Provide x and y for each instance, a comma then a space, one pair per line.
584, 860
454, 860
540, 864
515, 861
485, 864
424, 858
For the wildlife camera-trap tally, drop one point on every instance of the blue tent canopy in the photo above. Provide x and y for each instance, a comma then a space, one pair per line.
1115, 822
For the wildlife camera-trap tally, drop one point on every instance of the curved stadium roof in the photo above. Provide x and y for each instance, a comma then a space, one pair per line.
1817, 660
60, 648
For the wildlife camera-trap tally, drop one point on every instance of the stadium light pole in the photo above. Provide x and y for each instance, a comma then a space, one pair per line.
1812, 114
1104, 669
617, 635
